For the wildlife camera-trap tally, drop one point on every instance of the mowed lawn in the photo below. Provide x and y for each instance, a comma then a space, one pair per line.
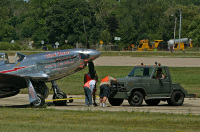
51, 120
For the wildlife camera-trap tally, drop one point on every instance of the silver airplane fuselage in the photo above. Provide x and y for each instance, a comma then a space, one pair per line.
49, 66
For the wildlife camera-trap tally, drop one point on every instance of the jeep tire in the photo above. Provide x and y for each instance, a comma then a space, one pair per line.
136, 99
115, 102
176, 99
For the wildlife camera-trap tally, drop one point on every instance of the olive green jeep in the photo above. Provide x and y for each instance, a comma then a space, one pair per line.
150, 83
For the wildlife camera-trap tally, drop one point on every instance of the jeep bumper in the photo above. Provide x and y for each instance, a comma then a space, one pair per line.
190, 96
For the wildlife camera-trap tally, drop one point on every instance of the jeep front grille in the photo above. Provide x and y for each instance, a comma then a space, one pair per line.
118, 87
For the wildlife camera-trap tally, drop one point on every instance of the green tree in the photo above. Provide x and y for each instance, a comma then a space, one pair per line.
65, 21
7, 32
194, 33
105, 37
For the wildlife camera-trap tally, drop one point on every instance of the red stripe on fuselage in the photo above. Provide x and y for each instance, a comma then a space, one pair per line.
15, 69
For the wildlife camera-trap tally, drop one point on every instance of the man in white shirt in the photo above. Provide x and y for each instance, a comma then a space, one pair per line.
89, 87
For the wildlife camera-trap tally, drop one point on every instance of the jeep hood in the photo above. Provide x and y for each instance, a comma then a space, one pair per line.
127, 79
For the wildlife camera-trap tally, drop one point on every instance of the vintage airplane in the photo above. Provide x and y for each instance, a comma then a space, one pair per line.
33, 71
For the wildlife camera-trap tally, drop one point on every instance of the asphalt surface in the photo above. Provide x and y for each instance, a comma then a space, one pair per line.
133, 61
190, 105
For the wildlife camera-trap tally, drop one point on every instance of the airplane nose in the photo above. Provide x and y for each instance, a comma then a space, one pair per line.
94, 54
89, 54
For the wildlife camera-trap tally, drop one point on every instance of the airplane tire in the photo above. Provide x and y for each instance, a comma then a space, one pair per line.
39, 102
71, 100
45, 90
61, 95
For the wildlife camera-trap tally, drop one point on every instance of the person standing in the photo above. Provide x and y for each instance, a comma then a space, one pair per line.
89, 87
105, 89
88, 77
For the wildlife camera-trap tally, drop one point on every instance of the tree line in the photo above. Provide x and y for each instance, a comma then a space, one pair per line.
91, 21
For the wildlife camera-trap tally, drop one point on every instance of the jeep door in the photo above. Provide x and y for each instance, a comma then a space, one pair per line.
160, 85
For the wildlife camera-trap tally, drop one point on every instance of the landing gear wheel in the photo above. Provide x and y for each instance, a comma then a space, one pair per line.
60, 95
39, 102
71, 100
41, 88
115, 102
176, 99
136, 99
152, 102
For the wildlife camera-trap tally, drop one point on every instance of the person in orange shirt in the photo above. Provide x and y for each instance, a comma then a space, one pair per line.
87, 77
89, 87
105, 89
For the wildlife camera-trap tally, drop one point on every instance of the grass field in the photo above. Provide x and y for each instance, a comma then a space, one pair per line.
48, 120
188, 77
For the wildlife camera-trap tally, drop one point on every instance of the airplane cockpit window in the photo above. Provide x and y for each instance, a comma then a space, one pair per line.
19, 57
3, 58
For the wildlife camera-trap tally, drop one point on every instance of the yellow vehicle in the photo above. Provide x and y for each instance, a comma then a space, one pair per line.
176, 46
157, 42
144, 45
184, 43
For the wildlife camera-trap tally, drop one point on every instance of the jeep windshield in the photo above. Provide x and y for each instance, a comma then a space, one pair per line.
141, 72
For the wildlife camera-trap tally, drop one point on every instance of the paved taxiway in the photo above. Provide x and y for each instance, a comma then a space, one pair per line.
190, 106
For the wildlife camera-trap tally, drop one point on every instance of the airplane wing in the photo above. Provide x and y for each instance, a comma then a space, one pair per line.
15, 81
12, 82
40, 76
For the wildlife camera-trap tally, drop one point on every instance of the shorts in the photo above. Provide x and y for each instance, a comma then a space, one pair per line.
104, 91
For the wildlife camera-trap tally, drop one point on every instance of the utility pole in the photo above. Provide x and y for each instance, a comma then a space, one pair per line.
180, 10
175, 30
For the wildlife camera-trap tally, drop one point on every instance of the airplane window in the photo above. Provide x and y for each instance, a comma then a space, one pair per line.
1, 57
19, 57
4, 58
